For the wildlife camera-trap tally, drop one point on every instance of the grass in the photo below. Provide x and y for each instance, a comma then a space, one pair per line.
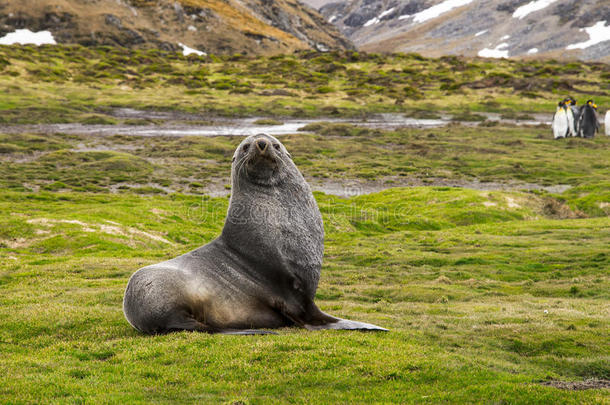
463, 286
84, 84
488, 295
520, 156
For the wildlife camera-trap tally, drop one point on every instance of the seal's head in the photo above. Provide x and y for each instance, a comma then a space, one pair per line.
261, 159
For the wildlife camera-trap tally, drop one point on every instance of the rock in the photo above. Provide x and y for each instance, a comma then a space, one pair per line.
389, 26
223, 27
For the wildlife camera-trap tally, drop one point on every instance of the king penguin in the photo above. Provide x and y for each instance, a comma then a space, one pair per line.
573, 113
607, 122
560, 121
587, 121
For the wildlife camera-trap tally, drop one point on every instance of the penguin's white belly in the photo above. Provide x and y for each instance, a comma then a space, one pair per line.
607, 122
560, 124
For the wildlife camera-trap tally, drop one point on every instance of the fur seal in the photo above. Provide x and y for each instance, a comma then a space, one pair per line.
261, 272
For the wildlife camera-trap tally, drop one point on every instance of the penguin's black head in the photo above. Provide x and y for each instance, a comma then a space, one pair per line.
570, 100
592, 104
561, 104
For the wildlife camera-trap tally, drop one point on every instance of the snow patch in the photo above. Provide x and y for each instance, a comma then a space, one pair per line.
386, 13
372, 21
597, 33
333, 18
504, 37
531, 7
375, 20
497, 52
187, 51
478, 34
26, 36
532, 51
404, 16
192, 28
437, 10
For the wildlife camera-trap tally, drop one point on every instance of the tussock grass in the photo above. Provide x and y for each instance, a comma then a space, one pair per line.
515, 156
486, 293
76, 82
464, 296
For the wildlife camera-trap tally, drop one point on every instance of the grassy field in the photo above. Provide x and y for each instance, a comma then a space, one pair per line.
485, 297
82, 84
490, 296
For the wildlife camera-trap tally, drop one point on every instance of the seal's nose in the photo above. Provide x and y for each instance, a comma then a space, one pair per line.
262, 144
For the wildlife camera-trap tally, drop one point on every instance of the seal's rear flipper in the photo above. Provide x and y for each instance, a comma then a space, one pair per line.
246, 332
346, 324
318, 320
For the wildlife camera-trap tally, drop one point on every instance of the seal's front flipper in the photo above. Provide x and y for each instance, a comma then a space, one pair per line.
246, 332
346, 324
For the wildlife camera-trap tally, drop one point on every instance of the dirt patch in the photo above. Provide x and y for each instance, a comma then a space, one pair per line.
592, 384
351, 188
113, 229
15, 243
511, 203
556, 209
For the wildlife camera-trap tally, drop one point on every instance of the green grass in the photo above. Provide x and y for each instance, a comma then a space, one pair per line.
85, 84
333, 152
486, 293
462, 285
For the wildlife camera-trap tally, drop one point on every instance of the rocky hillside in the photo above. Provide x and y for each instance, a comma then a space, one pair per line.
563, 29
212, 26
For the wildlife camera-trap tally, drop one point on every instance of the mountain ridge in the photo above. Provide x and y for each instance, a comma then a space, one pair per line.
213, 26
489, 28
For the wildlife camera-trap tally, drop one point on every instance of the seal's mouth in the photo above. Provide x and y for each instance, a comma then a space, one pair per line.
261, 160
262, 166
262, 154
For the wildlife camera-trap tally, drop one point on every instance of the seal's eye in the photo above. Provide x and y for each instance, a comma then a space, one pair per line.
245, 147
276, 146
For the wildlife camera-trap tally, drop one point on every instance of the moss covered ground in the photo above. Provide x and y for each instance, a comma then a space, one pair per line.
73, 83
490, 296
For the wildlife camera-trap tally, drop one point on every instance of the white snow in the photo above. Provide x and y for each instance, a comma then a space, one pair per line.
332, 18
404, 16
478, 34
532, 51
597, 33
531, 7
497, 52
442, 8
372, 21
375, 20
28, 37
504, 37
187, 51
386, 13
192, 28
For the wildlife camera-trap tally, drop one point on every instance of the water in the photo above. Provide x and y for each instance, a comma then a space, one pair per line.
242, 126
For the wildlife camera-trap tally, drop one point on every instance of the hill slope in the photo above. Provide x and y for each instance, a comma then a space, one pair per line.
566, 29
213, 26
